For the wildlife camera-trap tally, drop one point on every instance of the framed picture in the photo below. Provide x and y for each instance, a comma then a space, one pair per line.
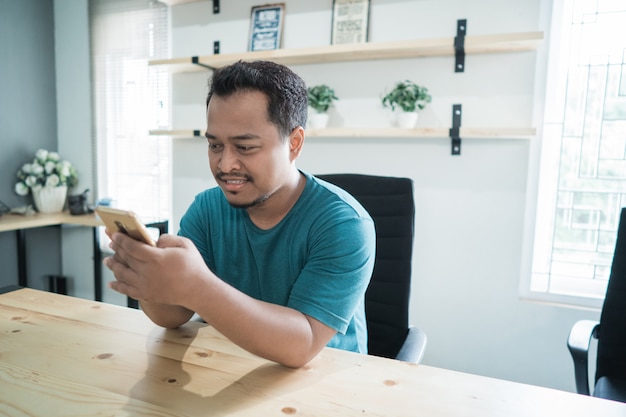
266, 27
350, 21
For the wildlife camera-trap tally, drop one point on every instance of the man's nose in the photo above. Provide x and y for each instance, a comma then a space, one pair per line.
229, 160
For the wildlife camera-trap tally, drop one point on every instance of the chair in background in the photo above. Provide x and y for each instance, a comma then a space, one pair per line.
389, 201
610, 378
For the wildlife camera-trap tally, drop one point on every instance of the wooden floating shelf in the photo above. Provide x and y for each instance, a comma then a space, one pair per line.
175, 2
480, 44
425, 132
180, 133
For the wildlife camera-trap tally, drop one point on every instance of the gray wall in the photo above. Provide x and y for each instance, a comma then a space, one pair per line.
75, 131
28, 121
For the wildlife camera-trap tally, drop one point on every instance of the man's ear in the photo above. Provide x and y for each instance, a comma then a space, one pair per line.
296, 142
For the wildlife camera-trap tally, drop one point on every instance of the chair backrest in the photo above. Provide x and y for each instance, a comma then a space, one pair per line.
611, 359
389, 200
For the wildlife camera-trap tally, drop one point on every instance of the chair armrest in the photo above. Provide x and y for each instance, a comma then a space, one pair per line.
414, 345
578, 345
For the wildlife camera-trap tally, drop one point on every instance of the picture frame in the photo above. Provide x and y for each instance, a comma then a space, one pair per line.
350, 21
266, 27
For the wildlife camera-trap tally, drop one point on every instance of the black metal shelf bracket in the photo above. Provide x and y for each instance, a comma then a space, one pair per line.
216, 6
459, 45
455, 136
195, 61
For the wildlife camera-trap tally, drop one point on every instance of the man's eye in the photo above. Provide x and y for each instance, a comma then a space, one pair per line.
215, 147
245, 149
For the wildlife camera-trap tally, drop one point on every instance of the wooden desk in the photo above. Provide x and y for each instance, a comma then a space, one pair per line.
64, 356
19, 223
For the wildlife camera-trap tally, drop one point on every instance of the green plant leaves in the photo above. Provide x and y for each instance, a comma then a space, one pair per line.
321, 97
408, 96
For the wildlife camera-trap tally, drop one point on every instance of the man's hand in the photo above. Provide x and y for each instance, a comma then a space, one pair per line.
161, 274
172, 282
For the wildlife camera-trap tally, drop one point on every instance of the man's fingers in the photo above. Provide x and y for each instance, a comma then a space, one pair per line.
125, 246
171, 241
126, 279
118, 258
123, 288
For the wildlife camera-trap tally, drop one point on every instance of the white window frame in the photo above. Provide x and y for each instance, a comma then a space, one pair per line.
541, 197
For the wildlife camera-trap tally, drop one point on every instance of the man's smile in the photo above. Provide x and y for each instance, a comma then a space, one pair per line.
233, 183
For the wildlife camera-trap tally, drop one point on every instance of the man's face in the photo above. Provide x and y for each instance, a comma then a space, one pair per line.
248, 159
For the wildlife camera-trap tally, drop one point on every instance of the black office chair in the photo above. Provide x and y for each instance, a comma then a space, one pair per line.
610, 378
389, 201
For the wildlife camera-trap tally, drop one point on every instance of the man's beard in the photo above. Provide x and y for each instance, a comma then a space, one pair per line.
256, 202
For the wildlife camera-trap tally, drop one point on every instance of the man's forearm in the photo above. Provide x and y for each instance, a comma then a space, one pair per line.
165, 315
274, 332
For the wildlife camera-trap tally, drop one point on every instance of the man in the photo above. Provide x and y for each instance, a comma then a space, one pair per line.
275, 259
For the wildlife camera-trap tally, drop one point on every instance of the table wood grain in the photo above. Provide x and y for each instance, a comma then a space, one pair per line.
64, 356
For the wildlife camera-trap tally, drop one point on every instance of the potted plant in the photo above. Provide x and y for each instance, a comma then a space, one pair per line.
48, 178
408, 97
321, 98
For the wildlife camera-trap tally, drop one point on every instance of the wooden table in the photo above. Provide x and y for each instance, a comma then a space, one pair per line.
62, 356
20, 223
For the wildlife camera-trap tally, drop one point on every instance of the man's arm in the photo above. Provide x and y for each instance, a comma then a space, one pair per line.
172, 281
166, 315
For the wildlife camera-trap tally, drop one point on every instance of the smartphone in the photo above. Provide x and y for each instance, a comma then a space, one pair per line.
124, 221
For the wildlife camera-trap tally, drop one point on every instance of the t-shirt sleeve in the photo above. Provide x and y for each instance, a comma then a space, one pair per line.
333, 282
194, 225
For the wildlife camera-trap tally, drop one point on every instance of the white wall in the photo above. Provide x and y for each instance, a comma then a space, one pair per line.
471, 209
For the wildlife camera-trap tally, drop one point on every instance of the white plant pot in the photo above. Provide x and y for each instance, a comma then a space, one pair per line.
406, 120
50, 199
318, 120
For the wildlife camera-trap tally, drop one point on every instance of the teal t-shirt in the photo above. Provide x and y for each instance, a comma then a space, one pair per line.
317, 260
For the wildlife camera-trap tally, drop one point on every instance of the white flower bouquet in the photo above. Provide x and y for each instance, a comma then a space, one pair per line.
46, 170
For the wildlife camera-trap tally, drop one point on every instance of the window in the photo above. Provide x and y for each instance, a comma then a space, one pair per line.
582, 181
130, 98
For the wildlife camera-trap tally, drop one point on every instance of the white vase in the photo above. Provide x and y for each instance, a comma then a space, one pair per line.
50, 199
318, 120
406, 120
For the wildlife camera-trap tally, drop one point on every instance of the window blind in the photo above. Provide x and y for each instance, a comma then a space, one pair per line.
130, 98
